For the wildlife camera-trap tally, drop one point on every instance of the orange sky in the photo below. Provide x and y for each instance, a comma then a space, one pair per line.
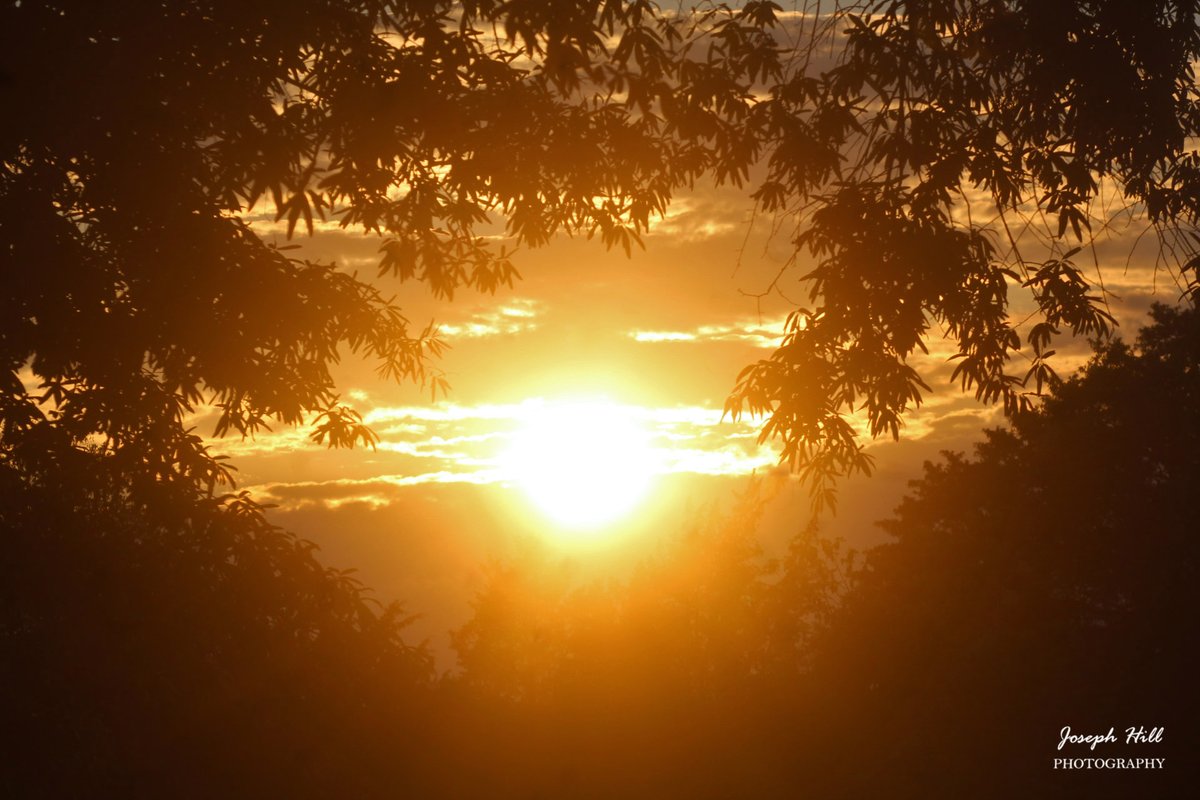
662, 333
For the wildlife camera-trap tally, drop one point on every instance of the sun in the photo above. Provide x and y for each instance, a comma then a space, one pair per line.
584, 464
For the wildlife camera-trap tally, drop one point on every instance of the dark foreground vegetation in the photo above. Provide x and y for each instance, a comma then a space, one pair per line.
185, 648
160, 639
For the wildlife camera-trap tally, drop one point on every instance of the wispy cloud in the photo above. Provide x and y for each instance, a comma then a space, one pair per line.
450, 443
518, 315
765, 332
699, 218
376, 491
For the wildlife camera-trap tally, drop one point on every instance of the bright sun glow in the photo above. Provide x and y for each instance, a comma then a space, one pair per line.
583, 464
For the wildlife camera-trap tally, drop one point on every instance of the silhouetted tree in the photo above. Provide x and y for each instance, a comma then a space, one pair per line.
171, 647
1049, 581
144, 292
137, 136
930, 158
684, 679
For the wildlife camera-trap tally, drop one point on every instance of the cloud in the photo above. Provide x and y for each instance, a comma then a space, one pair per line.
452, 443
516, 316
756, 331
373, 492
662, 336
701, 217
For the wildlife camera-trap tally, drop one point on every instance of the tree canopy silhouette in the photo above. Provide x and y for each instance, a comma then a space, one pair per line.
931, 156
136, 138
1048, 581
682, 679
917, 147
145, 618
154, 631
157, 644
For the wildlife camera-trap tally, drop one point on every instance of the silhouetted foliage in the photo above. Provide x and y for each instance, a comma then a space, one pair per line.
159, 639
136, 138
930, 158
141, 608
176, 647
683, 679
1049, 581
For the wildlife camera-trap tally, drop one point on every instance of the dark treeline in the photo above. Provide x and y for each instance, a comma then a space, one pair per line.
159, 638
188, 649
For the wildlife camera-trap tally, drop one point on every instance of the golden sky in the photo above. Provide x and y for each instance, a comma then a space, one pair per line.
655, 340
